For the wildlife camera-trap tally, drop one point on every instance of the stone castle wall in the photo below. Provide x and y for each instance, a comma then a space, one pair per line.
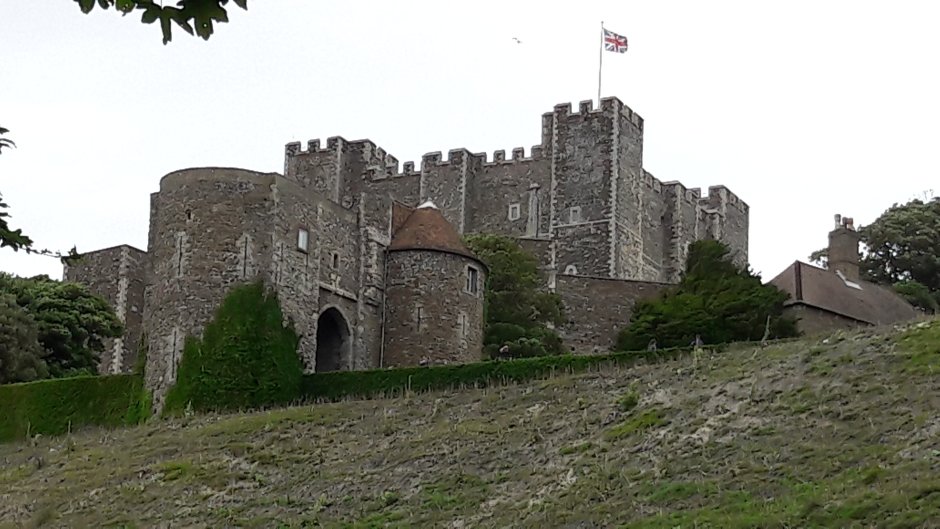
597, 309
323, 272
118, 275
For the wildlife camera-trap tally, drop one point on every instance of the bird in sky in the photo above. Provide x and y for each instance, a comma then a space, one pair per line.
517, 40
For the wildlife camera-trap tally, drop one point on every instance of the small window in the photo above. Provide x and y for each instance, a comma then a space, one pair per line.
335, 260
571, 270
302, 238
473, 277
462, 323
514, 212
419, 318
574, 214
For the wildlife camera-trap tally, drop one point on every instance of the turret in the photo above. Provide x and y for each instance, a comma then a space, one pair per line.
434, 292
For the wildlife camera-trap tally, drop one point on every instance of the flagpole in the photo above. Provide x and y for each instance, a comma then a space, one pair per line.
600, 65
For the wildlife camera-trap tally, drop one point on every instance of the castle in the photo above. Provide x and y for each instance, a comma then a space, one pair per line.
366, 256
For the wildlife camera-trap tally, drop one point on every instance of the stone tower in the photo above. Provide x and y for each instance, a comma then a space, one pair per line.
207, 230
435, 292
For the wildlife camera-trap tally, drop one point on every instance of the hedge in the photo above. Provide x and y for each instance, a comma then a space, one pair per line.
52, 407
337, 385
376, 382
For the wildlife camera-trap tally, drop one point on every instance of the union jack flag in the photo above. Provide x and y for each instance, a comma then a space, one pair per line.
614, 42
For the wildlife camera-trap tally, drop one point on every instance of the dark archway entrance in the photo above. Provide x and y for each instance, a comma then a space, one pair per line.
332, 341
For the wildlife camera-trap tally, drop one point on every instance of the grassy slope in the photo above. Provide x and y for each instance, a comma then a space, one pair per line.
806, 434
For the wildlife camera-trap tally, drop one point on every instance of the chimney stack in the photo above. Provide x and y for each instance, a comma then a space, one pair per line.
843, 248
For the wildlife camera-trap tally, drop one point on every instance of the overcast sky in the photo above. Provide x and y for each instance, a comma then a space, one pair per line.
803, 108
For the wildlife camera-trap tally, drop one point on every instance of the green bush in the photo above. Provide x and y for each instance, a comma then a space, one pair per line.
21, 356
517, 306
497, 333
522, 343
246, 357
52, 407
715, 299
628, 400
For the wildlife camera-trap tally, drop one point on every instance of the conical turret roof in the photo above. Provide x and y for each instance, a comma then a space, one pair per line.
425, 228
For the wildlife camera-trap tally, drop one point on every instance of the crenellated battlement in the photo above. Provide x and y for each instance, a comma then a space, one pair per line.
333, 143
433, 159
651, 182
720, 194
688, 195
609, 105
518, 155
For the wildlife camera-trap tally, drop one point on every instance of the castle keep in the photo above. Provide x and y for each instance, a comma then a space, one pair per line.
365, 253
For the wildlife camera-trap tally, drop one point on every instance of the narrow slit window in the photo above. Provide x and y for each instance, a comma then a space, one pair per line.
515, 211
473, 277
335, 262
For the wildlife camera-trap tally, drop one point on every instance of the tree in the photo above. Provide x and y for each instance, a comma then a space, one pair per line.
21, 356
73, 324
918, 295
192, 15
901, 248
517, 308
904, 244
715, 299
10, 238
16, 239
246, 357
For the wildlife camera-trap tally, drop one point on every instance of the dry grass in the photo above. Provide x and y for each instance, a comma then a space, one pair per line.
837, 433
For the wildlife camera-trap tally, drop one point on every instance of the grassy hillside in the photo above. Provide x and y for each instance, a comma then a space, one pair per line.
837, 433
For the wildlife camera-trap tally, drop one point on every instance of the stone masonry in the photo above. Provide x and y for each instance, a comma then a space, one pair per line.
117, 275
321, 233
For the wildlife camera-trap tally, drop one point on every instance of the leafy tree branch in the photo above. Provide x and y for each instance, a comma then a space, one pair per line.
15, 239
193, 16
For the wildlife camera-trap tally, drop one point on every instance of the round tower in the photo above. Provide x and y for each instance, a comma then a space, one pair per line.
434, 292
209, 229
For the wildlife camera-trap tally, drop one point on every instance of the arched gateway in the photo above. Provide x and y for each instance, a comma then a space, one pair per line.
332, 341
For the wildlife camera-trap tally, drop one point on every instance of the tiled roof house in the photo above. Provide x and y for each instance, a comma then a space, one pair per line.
836, 297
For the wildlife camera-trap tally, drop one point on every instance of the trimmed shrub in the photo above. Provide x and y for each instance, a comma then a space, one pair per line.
52, 407
377, 382
338, 385
246, 357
